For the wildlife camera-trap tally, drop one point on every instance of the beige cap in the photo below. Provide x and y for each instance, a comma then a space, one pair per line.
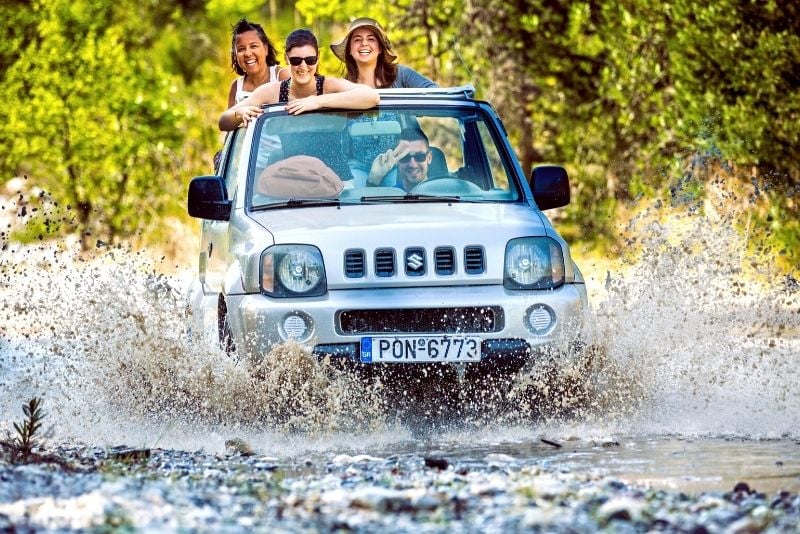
304, 176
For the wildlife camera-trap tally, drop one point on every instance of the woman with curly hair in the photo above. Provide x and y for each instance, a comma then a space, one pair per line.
254, 59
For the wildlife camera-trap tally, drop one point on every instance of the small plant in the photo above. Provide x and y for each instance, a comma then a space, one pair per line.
21, 446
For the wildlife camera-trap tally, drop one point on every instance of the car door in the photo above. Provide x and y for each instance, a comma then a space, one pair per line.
214, 241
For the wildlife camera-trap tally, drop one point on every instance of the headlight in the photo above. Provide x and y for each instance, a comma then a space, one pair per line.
293, 271
533, 263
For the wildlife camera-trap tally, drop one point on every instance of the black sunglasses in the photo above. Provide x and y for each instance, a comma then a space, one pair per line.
418, 156
310, 60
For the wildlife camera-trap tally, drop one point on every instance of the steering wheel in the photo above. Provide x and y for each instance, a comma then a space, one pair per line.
446, 186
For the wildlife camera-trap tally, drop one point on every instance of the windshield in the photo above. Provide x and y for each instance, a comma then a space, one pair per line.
390, 155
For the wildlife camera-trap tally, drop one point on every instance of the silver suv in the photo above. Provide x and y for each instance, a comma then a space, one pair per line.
303, 240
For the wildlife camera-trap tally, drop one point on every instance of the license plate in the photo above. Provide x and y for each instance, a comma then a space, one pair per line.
420, 349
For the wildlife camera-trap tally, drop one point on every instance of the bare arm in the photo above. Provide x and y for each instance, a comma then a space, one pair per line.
338, 93
232, 94
250, 108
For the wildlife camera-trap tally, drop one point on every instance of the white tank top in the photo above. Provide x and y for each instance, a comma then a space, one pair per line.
241, 94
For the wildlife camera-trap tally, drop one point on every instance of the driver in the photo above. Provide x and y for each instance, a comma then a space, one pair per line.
412, 156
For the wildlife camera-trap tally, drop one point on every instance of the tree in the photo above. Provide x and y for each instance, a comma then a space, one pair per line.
92, 120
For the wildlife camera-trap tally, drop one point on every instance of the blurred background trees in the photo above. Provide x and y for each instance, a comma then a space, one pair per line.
110, 108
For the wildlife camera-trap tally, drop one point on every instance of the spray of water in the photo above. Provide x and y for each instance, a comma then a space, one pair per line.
691, 337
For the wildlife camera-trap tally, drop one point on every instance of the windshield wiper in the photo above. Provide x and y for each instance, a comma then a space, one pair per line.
298, 203
412, 198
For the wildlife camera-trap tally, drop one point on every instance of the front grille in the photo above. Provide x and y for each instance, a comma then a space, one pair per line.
354, 264
384, 262
474, 262
445, 258
466, 320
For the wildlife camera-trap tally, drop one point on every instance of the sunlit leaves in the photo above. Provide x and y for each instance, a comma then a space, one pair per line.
92, 121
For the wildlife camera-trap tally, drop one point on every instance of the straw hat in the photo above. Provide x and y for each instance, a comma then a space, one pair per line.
339, 49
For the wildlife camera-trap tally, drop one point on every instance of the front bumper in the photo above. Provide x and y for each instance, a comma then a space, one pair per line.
257, 321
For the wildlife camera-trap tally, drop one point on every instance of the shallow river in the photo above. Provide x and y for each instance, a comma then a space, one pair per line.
696, 390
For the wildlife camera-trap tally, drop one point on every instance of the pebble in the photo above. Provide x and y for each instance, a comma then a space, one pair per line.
177, 491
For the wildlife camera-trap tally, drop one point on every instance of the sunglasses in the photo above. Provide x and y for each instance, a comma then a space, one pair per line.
310, 60
419, 157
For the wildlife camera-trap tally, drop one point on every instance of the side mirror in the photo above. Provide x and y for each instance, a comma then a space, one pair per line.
550, 186
208, 199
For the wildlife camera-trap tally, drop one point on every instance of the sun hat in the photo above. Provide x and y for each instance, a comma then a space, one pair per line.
340, 48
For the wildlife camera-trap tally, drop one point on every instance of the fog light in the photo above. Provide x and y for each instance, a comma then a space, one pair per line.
296, 327
540, 319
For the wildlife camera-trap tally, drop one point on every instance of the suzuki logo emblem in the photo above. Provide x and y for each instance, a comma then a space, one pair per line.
414, 262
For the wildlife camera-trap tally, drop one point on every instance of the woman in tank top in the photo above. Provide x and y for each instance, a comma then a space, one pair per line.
254, 59
304, 91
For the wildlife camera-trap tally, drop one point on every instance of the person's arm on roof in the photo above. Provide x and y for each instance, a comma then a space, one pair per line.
250, 108
338, 93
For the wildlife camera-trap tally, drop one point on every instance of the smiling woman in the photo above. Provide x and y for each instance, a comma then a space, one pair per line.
368, 57
253, 58
304, 91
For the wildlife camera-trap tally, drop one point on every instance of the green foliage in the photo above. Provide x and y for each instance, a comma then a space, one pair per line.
111, 107
21, 446
93, 122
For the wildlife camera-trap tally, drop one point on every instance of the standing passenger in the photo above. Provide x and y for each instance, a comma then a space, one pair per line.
367, 54
254, 59
304, 91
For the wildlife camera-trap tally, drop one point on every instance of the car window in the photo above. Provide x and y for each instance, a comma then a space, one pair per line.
496, 169
331, 156
233, 162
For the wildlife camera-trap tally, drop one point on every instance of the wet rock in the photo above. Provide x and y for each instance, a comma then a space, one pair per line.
498, 458
238, 446
435, 462
130, 455
742, 487
344, 459
381, 500
551, 443
426, 502
747, 525
622, 509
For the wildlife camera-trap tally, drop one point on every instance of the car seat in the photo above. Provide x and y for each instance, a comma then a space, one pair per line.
438, 165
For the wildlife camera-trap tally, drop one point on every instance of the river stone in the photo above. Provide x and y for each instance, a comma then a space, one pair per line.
621, 508
436, 463
380, 499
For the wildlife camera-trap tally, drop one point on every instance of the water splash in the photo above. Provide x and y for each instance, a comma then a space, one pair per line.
692, 338
709, 333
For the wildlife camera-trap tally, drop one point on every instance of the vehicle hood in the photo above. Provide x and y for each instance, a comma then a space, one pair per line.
399, 225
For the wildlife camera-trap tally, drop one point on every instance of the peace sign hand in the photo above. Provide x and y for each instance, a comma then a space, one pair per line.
384, 163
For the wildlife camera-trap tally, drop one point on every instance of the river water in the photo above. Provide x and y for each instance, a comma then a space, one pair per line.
696, 387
